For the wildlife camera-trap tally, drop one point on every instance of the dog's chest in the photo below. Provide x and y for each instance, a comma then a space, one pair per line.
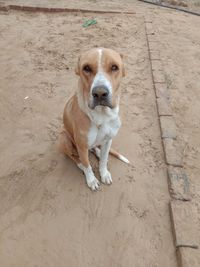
99, 134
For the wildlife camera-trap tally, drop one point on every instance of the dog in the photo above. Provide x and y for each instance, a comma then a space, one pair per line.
91, 115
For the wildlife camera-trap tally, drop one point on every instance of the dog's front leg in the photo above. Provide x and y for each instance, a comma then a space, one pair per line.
105, 174
91, 180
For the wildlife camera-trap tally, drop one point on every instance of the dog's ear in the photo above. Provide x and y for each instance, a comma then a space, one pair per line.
77, 68
123, 67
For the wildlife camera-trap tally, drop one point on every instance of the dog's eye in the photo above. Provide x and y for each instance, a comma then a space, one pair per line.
87, 69
114, 67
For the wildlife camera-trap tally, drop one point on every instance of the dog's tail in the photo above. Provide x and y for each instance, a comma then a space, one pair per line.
119, 156
97, 152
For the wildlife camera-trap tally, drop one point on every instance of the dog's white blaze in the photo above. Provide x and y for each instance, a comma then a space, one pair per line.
100, 57
100, 77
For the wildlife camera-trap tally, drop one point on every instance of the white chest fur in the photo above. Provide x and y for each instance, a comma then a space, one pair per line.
105, 126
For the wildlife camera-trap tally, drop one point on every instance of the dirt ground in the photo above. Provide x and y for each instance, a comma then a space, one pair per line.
89, 4
48, 217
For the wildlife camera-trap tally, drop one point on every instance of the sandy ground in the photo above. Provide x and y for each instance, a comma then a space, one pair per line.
193, 5
48, 217
87, 4
180, 46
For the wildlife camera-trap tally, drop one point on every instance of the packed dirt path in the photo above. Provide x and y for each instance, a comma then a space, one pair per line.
48, 216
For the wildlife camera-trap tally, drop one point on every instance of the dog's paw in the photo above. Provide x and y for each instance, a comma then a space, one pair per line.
106, 178
93, 184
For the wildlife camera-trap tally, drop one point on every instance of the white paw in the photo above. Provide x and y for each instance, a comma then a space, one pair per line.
93, 184
106, 178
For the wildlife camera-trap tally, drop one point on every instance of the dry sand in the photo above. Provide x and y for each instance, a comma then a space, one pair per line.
48, 217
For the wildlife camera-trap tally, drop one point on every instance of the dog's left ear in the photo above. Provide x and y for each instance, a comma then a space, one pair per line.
77, 68
123, 68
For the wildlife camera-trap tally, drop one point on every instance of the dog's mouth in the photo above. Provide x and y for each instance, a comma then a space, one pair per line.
103, 103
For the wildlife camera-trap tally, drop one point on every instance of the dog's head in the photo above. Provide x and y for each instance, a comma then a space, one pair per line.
100, 72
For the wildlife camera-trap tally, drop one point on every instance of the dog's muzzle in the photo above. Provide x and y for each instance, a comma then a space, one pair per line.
101, 96
101, 91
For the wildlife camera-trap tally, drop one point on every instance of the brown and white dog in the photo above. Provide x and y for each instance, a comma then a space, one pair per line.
91, 116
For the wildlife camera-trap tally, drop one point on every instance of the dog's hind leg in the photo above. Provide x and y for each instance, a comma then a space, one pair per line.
66, 146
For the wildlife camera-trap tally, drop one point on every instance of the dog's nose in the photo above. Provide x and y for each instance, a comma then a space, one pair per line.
100, 92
